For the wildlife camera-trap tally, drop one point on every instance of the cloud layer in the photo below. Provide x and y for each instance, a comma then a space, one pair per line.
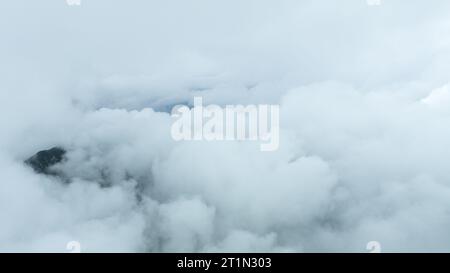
364, 99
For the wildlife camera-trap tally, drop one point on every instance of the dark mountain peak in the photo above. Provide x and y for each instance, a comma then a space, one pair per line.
44, 160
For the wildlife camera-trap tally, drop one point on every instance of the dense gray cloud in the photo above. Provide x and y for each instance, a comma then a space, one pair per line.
364, 99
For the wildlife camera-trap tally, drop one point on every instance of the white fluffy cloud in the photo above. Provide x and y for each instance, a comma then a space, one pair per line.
364, 100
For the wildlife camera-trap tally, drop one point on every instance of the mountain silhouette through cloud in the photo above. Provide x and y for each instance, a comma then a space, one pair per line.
42, 161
